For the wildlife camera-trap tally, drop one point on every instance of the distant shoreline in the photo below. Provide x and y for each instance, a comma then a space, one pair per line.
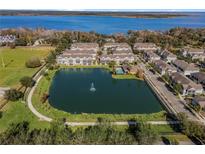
91, 13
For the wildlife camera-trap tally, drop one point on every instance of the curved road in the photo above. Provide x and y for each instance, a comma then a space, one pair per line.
30, 105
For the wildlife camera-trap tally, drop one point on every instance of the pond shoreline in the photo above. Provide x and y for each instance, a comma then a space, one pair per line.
52, 112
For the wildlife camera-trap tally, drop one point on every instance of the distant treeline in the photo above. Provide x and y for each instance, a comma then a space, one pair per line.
92, 13
172, 39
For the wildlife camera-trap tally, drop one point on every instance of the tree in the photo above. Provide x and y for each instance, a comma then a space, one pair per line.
15, 134
111, 64
64, 43
33, 63
191, 128
166, 77
59, 133
1, 114
178, 87
99, 53
13, 95
170, 140
140, 73
21, 41
144, 133
51, 58
27, 81
12, 45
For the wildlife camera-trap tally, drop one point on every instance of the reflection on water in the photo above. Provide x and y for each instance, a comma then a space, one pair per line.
70, 91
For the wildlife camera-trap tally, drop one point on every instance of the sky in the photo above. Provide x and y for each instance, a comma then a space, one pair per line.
101, 4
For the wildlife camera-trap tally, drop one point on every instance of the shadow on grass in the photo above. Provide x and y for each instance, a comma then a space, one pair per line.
9, 63
165, 140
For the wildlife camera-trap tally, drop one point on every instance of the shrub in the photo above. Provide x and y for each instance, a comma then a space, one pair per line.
111, 64
144, 133
27, 81
191, 128
170, 140
44, 97
1, 114
33, 63
13, 95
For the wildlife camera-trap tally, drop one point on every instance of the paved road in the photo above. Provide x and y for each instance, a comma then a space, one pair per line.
121, 123
31, 107
2, 90
177, 104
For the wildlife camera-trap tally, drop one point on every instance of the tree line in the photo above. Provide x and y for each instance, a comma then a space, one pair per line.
58, 133
170, 39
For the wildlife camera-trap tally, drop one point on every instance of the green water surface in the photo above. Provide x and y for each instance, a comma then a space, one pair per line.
70, 91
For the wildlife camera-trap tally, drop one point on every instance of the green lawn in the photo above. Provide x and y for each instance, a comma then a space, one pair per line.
15, 112
126, 76
15, 59
48, 110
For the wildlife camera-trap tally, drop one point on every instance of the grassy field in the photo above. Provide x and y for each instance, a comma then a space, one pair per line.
15, 59
48, 110
126, 76
15, 112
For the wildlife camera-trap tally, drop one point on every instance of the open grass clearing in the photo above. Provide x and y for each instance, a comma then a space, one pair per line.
14, 60
15, 112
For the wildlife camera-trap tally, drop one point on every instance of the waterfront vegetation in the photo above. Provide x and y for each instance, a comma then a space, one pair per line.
15, 59
91, 13
126, 76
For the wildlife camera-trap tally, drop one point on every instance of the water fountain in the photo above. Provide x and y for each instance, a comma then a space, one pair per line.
92, 88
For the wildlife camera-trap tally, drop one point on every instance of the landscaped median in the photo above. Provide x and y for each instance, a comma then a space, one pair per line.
46, 109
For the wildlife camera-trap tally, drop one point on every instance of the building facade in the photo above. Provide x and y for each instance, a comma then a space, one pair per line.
184, 67
119, 59
151, 56
163, 68
194, 53
109, 47
85, 46
145, 47
188, 87
168, 56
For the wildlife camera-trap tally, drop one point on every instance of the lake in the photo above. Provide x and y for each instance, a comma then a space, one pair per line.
102, 24
70, 92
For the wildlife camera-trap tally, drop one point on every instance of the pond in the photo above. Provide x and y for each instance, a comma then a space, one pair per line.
93, 90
